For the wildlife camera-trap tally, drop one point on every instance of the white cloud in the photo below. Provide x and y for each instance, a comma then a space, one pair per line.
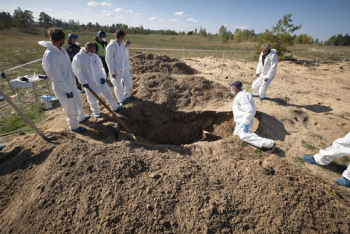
192, 20
47, 9
240, 27
138, 14
180, 13
138, 1
107, 13
205, 22
93, 4
173, 20
153, 18
128, 11
32, 9
118, 10
160, 19
105, 4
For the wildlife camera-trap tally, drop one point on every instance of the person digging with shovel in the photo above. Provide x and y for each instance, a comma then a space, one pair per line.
89, 70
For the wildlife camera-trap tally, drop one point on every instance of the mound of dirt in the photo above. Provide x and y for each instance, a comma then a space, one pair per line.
103, 181
183, 93
142, 63
72, 185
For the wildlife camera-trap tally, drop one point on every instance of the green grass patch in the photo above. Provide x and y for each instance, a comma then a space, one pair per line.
13, 122
307, 145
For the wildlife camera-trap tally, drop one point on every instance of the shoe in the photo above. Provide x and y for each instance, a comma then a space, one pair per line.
81, 91
2, 146
80, 129
97, 115
270, 150
118, 109
343, 182
128, 99
254, 95
86, 118
261, 98
121, 104
309, 159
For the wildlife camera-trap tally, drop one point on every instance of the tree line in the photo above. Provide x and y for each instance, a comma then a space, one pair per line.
24, 22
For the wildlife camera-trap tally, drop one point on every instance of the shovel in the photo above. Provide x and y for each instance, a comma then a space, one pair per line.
25, 117
113, 113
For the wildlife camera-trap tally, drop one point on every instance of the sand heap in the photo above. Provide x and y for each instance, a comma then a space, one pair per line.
105, 182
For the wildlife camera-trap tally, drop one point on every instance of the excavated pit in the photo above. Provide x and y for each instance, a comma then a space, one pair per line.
159, 124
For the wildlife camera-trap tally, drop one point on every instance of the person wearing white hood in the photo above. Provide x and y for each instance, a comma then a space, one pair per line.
243, 108
89, 70
265, 71
117, 60
56, 64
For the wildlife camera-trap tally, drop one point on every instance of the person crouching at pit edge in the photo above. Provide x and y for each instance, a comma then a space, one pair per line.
57, 65
243, 108
117, 60
265, 71
89, 70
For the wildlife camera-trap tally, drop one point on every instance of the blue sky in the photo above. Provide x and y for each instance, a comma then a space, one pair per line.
321, 19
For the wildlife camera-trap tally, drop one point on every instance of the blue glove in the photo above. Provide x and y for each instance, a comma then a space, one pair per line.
86, 85
245, 128
103, 80
69, 95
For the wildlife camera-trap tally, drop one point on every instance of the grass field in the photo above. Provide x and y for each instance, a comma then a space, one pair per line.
18, 48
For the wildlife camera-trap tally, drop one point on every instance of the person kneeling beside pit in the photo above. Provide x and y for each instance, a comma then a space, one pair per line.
243, 108
89, 70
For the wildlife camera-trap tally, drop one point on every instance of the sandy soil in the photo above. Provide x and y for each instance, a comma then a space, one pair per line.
186, 173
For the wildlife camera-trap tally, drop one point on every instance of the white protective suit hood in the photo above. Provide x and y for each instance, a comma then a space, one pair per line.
89, 69
57, 66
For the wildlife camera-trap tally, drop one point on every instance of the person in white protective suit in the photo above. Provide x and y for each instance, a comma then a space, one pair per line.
243, 108
89, 70
265, 71
57, 66
339, 148
117, 59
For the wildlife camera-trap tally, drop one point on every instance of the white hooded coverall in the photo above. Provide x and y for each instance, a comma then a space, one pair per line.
339, 148
90, 70
57, 66
117, 60
243, 108
266, 70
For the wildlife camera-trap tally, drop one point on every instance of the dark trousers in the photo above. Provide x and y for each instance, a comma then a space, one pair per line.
105, 65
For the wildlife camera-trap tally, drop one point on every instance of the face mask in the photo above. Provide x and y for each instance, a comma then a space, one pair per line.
77, 42
90, 54
233, 92
104, 39
127, 46
62, 45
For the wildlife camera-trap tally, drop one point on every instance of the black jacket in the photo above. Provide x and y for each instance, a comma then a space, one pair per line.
72, 50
